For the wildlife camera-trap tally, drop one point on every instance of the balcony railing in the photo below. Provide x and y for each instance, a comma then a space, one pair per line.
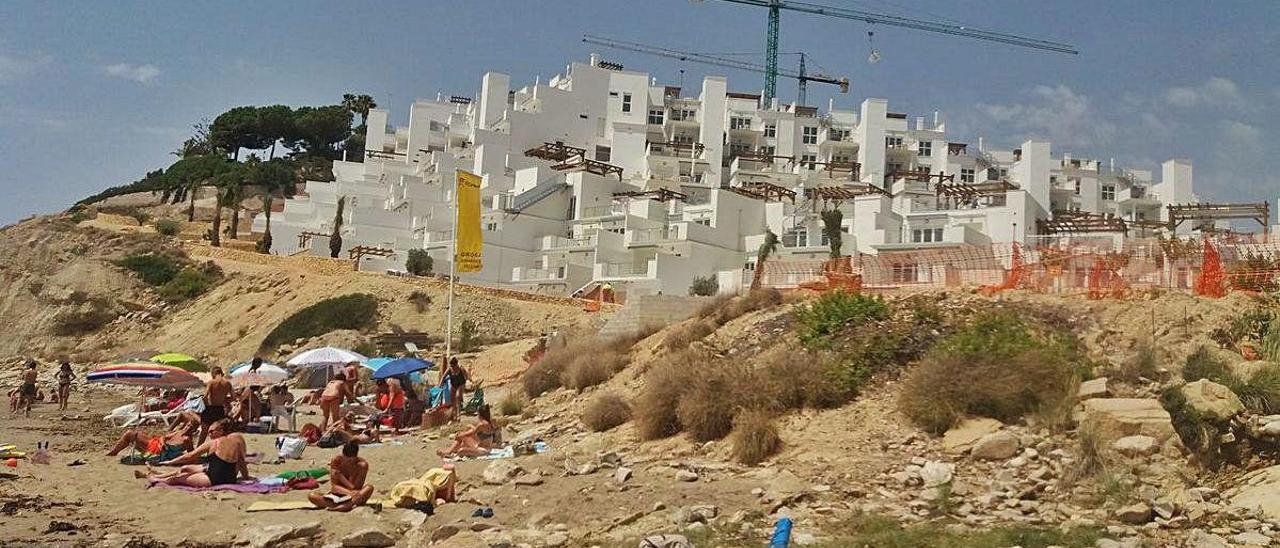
596, 212
556, 242
624, 270
652, 235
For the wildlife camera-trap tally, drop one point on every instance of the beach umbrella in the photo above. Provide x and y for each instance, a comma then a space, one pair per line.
329, 356
402, 366
179, 360
146, 374
265, 375
375, 363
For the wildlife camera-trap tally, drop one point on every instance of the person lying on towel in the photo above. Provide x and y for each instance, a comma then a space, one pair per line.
226, 450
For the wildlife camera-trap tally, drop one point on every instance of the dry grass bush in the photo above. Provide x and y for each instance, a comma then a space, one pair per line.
754, 437
511, 404
592, 368
583, 363
681, 337
605, 411
1144, 364
544, 375
795, 378
707, 407
666, 383
717, 312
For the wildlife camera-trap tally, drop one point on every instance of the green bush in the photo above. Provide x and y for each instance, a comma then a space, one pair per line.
419, 263
189, 283
468, 336
1260, 392
152, 268
832, 311
1202, 364
354, 311
87, 319
168, 227
704, 286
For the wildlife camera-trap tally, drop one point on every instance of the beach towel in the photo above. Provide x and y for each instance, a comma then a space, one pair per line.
420, 489
241, 487
311, 473
276, 506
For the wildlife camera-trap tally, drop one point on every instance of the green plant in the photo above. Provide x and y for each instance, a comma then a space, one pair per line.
468, 336
168, 227
885, 532
89, 317
704, 286
605, 411
153, 269
1202, 364
188, 283
419, 262
832, 311
367, 348
1144, 364
335, 237
353, 311
421, 301
831, 230
754, 437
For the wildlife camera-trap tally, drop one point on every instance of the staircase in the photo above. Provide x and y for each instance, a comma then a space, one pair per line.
535, 194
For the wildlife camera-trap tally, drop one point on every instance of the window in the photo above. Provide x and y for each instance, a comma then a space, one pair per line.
924, 148
626, 102
904, 272
1108, 192
809, 135
655, 116
491, 226
767, 150
738, 122
808, 161
603, 154
841, 158
895, 168
681, 114
682, 139
838, 134
737, 148
892, 142
771, 130
1076, 182
966, 175
997, 173
926, 235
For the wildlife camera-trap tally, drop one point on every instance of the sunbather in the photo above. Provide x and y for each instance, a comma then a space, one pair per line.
337, 391
347, 473
475, 441
343, 430
170, 444
217, 398
226, 450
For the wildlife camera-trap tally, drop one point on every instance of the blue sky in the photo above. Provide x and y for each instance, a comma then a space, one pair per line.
95, 94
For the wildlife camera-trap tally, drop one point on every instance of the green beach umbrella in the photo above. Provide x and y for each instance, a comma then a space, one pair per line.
179, 360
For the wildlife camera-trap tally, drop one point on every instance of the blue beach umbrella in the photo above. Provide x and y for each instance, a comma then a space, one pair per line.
401, 366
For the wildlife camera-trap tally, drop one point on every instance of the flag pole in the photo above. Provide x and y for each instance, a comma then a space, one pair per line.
453, 267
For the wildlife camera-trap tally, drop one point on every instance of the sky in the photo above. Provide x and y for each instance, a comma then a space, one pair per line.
96, 94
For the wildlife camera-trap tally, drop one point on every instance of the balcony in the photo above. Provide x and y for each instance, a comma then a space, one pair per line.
604, 211
558, 243
693, 151
651, 236
519, 274
626, 270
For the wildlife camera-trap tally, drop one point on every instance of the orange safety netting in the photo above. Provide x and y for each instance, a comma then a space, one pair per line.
1210, 283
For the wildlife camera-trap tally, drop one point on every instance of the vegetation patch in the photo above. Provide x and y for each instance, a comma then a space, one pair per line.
828, 314
354, 311
152, 268
419, 263
1260, 392
606, 411
754, 437
719, 311
511, 404
90, 316
168, 227
191, 282
704, 286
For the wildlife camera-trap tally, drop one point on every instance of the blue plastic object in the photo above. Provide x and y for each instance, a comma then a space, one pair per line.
781, 534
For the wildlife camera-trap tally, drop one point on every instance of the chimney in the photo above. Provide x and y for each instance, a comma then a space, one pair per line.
935, 119
980, 149
595, 59
919, 122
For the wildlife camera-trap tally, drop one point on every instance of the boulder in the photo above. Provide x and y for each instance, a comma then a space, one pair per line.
1134, 514
1115, 418
1093, 388
1258, 491
1136, 446
686, 475
1211, 399
935, 474
995, 446
368, 538
265, 536
1251, 538
500, 471
1200, 539
963, 436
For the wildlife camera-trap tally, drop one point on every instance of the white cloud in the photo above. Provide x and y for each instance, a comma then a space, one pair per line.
17, 64
142, 74
1216, 91
1055, 113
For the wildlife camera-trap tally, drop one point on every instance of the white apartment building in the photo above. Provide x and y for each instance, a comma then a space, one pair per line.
600, 175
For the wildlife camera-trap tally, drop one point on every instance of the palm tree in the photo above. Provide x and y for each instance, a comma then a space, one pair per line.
359, 104
831, 220
335, 239
766, 249
264, 245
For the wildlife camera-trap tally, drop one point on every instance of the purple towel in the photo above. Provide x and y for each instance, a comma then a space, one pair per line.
242, 487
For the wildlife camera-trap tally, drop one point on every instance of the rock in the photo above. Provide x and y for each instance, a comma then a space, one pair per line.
1093, 388
1270, 429
995, 446
1115, 418
531, 479
443, 532
555, 539
622, 474
588, 469
936, 473
703, 512
963, 436
1212, 399
1134, 514
686, 475
1200, 539
1136, 446
368, 538
500, 471
1258, 491
1251, 538
265, 536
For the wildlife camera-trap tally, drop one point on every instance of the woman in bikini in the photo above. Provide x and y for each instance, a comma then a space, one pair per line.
65, 376
226, 450
337, 391
475, 441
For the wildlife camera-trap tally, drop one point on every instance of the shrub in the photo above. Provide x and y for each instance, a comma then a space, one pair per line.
997, 367
704, 286
754, 437
685, 334
1202, 364
590, 369
468, 336
511, 404
719, 311
654, 413
542, 377
354, 311
168, 227
605, 411
153, 269
795, 378
832, 311
708, 404
1144, 364
419, 262
586, 362
1260, 392
421, 301
189, 283
90, 317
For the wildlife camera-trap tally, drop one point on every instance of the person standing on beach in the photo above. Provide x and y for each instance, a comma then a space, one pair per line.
27, 395
217, 395
65, 376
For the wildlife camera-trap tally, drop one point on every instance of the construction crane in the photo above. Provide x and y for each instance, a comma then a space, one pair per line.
802, 76
775, 8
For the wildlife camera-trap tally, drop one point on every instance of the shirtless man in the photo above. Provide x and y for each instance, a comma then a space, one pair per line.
28, 393
217, 397
347, 473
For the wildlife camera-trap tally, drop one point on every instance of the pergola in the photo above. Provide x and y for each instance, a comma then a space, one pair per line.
969, 191
761, 190
358, 252
1204, 214
1074, 222
845, 192
304, 238
555, 152
581, 163
659, 195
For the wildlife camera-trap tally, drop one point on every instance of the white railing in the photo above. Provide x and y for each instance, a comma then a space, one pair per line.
652, 235
596, 212
624, 270
559, 242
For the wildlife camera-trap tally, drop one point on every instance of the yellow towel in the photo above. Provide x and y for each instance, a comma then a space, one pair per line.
269, 506
423, 488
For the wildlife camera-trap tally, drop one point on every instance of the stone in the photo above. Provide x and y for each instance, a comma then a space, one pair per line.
1211, 399
995, 446
368, 538
1258, 491
622, 474
686, 475
265, 536
703, 512
1251, 538
555, 539
531, 479
1136, 446
935, 473
588, 468
1201, 539
1270, 429
443, 532
962, 437
500, 471
1115, 418
1093, 388
1134, 514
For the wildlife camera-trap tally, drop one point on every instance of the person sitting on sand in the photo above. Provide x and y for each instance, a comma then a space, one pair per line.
226, 450
311, 398
343, 431
170, 444
337, 391
475, 441
248, 405
347, 473
280, 402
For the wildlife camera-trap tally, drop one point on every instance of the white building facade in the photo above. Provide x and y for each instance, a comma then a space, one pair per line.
601, 176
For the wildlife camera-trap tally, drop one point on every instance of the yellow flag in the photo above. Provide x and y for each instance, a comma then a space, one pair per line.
469, 244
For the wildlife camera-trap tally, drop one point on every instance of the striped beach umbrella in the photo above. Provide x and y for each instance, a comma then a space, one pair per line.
147, 374
267, 374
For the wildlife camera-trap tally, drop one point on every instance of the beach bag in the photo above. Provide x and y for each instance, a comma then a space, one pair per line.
290, 447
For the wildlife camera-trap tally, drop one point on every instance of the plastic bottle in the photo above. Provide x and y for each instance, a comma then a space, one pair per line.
781, 534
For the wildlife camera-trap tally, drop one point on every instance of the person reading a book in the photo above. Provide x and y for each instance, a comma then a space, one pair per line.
347, 473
